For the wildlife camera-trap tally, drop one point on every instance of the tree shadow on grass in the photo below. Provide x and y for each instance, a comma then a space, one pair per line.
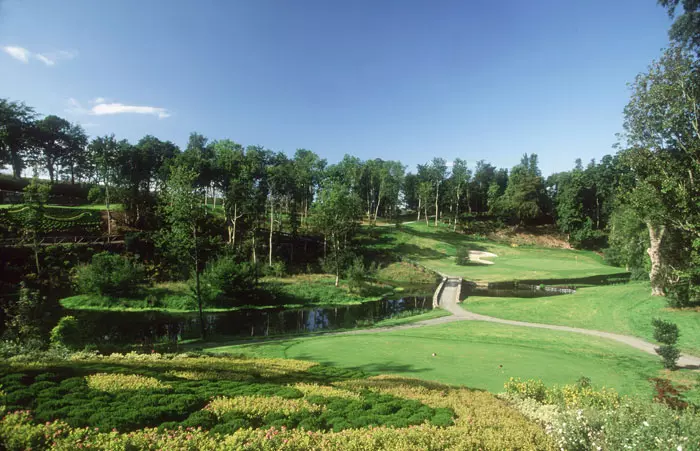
447, 237
376, 368
598, 280
414, 251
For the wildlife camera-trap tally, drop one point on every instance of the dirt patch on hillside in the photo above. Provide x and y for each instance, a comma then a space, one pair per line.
543, 236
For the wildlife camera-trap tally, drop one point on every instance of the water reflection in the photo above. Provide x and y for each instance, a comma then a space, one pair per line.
110, 327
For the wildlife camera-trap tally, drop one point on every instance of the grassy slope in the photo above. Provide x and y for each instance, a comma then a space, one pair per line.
625, 309
435, 249
479, 355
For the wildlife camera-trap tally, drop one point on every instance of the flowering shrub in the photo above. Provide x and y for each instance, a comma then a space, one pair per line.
581, 418
116, 382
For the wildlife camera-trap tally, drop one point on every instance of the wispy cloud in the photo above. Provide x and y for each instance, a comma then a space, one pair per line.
49, 58
17, 53
102, 107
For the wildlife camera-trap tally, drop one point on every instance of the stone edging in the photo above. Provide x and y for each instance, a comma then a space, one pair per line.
438, 292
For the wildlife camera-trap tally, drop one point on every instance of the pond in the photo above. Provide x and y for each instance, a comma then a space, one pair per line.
513, 290
114, 327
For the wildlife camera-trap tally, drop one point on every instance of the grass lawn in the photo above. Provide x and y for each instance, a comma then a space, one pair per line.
475, 354
625, 309
435, 248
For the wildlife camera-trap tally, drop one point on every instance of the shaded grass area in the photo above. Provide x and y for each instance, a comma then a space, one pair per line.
435, 248
476, 354
625, 309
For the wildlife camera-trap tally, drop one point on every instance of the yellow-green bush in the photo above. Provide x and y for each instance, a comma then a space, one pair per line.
115, 382
260, 405
325, 391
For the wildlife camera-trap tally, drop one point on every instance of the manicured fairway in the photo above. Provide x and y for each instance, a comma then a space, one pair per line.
479, 355
625, 309
436, 247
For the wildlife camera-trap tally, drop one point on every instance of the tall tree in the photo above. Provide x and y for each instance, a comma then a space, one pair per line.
103, 152
686, 26
184, 215
75, 161
35, 197
16, 134
662, 134
230, 181
437, 173
336, 214
309, 169
524, 196
460, 178
53, 143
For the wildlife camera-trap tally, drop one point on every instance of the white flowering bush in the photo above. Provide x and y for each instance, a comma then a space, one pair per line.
607, 422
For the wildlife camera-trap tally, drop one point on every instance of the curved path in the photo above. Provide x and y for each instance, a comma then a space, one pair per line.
448, 301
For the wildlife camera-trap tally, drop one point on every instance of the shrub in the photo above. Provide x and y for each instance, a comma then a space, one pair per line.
666, 333
356, 275
669, 355
529, 389
109, 275
225, 280
67, 333
118, 382
462, 256
278, 269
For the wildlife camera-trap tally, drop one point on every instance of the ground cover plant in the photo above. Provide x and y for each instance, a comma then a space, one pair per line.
135, 401
624, 309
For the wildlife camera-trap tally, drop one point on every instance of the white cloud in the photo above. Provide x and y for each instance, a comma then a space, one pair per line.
89, 125
17, 53
103, 108
49, 59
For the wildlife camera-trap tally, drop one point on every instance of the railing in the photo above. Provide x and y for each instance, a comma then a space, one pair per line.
53, 240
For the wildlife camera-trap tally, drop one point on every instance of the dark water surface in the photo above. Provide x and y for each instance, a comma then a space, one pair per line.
113, 327
513, 290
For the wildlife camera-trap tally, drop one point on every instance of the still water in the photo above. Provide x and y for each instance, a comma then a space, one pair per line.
133, 327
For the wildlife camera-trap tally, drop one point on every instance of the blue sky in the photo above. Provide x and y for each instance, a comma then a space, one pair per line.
395, 79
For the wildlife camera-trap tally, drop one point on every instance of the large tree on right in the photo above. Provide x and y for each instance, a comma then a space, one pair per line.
662, 138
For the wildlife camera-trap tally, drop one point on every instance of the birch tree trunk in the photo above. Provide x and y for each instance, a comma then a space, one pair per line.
656, 235
272, 217
437, 197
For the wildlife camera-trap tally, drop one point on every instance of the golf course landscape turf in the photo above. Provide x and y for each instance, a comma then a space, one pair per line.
435, 248
624, 309
484, 355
